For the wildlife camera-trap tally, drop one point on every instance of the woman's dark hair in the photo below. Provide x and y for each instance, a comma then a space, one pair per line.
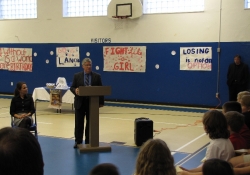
217, 167
20, 152
18, 88
215, 125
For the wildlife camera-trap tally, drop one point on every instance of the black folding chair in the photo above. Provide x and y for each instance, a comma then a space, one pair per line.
32, 128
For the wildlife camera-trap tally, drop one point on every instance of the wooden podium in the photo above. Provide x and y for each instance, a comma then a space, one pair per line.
93, 92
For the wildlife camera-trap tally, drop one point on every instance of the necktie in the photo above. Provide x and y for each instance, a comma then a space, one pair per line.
87, 80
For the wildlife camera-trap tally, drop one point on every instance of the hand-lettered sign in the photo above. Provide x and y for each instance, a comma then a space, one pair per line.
124, 58
16, 59
196, 58
67, 57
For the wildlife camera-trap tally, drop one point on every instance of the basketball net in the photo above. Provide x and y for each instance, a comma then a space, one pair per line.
119, 21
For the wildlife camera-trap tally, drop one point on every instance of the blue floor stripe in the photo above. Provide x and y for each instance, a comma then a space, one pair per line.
194, 160
143, 106
155, 107
178, 156
60, 157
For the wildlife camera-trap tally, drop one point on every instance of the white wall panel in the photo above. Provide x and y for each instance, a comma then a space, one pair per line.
51, 27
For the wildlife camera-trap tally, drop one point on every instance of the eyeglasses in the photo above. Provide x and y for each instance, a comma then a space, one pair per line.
87, 65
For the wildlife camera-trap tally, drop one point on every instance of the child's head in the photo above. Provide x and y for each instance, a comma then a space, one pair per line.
245, 103
215, 125
240, 94
155, 158
235, 121
104, 169
231, 106
217, 167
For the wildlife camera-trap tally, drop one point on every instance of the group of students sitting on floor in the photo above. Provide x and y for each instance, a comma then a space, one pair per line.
228, 131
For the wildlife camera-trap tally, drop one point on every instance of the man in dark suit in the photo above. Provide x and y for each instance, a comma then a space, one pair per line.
237, 78
81, 103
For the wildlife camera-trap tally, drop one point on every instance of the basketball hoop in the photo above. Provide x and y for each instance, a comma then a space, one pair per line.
120, 17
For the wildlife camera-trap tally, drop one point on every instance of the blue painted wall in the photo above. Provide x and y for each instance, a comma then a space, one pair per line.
168, 84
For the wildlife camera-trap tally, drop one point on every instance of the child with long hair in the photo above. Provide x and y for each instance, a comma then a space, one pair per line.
155, 158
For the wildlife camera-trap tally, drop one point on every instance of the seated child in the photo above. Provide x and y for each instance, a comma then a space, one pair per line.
245, 106
220, 147
235, 121
217, 167
240, 94
155, 158
104, 169
235, 106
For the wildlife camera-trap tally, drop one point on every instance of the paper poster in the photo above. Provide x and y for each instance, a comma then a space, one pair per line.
16, 59
124, 58
196, 58
67, 57
55, 98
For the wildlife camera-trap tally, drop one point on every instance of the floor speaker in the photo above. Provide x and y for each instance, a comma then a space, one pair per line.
143, 130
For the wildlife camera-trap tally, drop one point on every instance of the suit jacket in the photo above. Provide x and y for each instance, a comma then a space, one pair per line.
79, 81
239, 73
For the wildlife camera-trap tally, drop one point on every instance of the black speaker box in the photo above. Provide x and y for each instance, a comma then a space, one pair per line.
143, 130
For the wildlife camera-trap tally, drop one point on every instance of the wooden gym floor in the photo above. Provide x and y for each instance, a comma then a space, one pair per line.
181, 128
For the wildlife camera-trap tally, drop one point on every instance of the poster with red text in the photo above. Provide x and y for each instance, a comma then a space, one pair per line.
124, 58
16, 59
196, 58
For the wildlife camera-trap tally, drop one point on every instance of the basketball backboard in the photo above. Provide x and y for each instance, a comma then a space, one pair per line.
130, 8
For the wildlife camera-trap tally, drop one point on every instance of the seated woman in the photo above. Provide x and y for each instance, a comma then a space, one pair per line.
155, 158
22, 106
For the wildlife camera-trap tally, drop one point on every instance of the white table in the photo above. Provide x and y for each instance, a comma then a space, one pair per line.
41, 93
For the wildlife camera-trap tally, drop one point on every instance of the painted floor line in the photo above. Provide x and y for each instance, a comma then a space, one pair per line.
186, 159
45, 123
190, 142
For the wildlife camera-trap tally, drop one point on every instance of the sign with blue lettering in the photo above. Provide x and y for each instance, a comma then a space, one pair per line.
196, 58
67, 57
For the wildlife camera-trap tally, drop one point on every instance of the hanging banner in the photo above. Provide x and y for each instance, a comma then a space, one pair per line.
16, 59
124, 58
67, 57
196, 58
